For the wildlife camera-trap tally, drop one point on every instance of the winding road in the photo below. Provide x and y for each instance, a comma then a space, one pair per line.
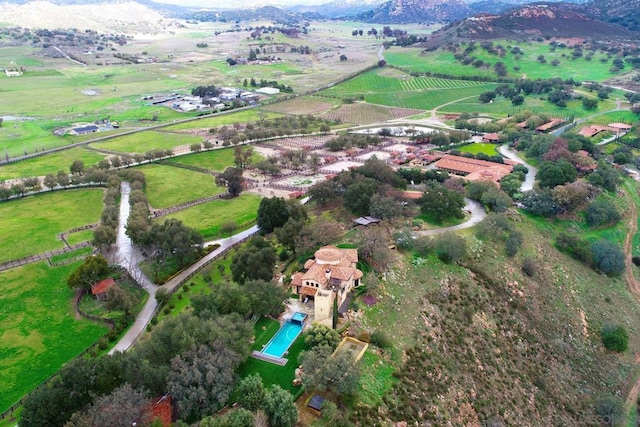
511, 154
478, 213
129, 257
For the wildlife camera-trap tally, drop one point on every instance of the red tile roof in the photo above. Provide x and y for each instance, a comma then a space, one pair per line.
102, 286
161, 410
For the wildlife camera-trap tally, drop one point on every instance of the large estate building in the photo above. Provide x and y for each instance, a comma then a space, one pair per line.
332, 274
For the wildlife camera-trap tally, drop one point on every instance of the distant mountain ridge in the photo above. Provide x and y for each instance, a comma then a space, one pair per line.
405, 11
534, 20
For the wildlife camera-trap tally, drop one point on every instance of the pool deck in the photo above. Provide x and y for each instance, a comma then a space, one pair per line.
280, 361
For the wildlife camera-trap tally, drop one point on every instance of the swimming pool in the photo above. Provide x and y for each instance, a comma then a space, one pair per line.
282, 340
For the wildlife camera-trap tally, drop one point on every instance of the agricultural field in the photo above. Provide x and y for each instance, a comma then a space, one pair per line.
41, 166
303, 105
38, 330
362, 113
397, 89
170, 186
224, 119
443, 62
208, 217
29, 226
145, 141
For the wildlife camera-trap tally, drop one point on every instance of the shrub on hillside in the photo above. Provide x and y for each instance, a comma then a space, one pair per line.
451, 248
615, 338
607, 257
600, 212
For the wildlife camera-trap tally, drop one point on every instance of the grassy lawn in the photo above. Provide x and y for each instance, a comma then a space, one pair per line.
29, 226
170, 186
38, 331
80, 236
273, 374
52, 163
217, 160
145, 141
208, 217
69, 255
488, 149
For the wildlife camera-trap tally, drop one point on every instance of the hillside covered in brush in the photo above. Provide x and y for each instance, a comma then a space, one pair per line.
540, 20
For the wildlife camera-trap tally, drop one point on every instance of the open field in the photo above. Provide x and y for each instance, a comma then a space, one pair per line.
303, 105
80, 236
243, 116
488, 149
216, 160
169, 186
29, 226
52, 163
146, 141
501, 107
208, 217
362, 113
38, 332
443, 62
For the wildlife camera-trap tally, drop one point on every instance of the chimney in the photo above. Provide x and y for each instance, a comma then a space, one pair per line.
327, 273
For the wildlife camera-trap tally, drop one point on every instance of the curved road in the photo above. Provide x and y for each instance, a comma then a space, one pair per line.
510, 153
478, 213
128, 256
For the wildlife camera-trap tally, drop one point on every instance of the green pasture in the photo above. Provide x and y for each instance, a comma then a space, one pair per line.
18, 137
443, 62
208, 217
29, 225
624, 116
170, 186
38, 330
501, 107
79, 237
142, 142
52, 163
216, 160
87, 250
226, 118
377, 377
488, 149
401, 90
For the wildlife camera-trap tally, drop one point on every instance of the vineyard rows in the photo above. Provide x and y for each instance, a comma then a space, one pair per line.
426, 100
421, 83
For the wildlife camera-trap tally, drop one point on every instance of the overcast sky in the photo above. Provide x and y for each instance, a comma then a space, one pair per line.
231, 4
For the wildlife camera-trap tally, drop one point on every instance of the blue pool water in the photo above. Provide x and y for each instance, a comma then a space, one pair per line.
282, 340
298, 317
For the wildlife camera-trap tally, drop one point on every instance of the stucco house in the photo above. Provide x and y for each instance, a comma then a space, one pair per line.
331, 275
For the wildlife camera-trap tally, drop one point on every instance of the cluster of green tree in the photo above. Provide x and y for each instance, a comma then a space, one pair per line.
233, 179
490, 195
263, 129
192, 358
363, 190
267, 83
496, 158
349, 140
105, 234
499, 227
205, 91
448, 247
558, 91
601, 255
440, 139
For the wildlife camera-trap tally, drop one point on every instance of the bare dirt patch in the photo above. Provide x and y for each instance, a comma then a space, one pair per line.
300, 106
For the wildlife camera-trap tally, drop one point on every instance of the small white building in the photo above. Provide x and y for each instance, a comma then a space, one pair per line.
268, 90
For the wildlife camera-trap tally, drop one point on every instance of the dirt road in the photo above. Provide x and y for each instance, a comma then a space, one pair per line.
634, 288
